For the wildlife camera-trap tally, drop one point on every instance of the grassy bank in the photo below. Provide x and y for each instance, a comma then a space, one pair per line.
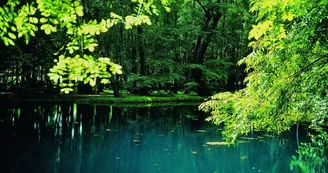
104, 99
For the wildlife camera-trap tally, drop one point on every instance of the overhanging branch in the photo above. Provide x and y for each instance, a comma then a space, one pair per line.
201, 5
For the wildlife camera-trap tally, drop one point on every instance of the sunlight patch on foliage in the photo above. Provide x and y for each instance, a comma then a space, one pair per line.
287, 72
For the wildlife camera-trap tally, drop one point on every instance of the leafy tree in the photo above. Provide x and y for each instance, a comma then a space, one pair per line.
153, 57
25, 19
287, 71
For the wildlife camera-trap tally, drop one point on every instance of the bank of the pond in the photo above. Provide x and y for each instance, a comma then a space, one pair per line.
100, 99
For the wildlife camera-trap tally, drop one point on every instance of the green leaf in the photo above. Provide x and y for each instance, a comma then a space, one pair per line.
92, 82
20, 34
11, 35
71, 51
5, 40
2, 11
43, 27
33, 20
13, 29
104, 81
32, 10
43, 20
76, 3
45, 14
47, 31
27, 39
103, 29
53, 29
11, 42
54, 21
66, 90
91, 48
32, 33
79, 10
119, 71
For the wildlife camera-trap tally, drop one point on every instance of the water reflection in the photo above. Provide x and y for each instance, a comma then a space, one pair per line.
95, 138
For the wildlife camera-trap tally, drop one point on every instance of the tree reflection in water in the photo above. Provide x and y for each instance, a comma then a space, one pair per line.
112, 139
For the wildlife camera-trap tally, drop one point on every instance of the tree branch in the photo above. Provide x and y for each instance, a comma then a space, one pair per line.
201, 5
307, 66
294, 75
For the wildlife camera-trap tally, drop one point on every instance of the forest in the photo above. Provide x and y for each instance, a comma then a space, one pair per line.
182, 46
259, 65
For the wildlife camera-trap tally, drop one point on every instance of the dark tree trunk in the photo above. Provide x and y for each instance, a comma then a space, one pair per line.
212, 17
231, 83
116, 86
142, 58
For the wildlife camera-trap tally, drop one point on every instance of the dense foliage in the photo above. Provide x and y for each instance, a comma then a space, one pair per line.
312, 157
76, 62
287, 71
191, 46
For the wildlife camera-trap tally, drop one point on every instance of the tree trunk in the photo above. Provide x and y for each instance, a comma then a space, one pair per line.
133, 56
142, 58
212, 18
116, 86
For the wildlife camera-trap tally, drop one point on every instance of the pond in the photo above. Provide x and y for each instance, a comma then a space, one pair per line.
116, 139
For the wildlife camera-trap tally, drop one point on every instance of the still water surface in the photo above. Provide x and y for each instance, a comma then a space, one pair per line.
107, 139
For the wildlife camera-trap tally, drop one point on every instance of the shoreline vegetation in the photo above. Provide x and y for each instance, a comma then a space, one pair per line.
103, 98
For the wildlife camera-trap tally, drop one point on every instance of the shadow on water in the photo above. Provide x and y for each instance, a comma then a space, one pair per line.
99, 138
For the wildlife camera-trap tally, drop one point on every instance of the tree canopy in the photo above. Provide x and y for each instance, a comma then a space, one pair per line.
287, 71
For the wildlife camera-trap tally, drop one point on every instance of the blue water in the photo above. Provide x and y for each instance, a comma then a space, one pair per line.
107, 139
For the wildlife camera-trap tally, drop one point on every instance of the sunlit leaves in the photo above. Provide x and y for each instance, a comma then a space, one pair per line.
79, 10
21, 20
287, 72
116, 69
115, 16
43, 20
131, 21
104, 81
48, 28
260, 29
87, 69
66, 90
12, 36
8, 41
33, 20
62, 13
288, 16
92, 82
